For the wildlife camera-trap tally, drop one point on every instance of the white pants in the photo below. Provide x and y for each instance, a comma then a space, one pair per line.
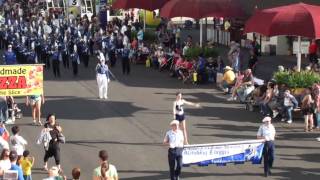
102, 81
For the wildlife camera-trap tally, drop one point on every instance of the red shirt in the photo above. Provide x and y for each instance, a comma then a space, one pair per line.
313, 48
134, 44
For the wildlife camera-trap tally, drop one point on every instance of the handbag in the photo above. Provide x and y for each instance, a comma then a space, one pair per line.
62, 138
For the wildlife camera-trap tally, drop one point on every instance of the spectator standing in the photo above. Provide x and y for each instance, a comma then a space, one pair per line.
174, 138
13, 156
307, 108
289, 103
76, 172
316, 92
109, 170
253, 60
26, 163
125, 60
5, 163
3, 109
53, 174
35, 101
17, 142
268, 133
313, 49
51, 136
54, 145
201, 68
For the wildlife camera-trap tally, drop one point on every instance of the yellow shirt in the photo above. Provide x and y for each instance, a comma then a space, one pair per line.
229, 77
26, 166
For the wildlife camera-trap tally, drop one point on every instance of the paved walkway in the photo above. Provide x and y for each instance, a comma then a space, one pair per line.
132, 123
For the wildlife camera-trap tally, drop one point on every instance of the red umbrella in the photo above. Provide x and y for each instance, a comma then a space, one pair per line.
198, 9
293, 20
140, 4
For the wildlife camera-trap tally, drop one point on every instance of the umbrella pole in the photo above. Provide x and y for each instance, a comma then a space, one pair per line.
144, 21
299, 54
201, 31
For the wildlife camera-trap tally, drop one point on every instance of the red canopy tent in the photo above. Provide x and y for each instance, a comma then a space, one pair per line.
140, 4
292, 20
198, 9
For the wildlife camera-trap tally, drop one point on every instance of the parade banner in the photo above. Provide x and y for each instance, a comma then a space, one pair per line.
222, 153
21, 80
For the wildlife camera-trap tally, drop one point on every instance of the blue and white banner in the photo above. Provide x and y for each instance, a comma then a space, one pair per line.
222, 153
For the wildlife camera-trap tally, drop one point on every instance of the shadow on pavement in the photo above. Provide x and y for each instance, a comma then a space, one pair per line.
84, 142
297, 173
225, 113
85, 109
226, 127
230, 136
165, 175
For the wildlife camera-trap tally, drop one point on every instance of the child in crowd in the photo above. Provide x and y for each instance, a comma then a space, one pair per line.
26, 163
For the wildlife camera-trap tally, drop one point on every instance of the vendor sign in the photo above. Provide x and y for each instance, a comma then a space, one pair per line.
21, 80
222, 153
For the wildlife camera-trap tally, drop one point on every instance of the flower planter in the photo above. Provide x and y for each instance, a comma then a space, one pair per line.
297, 91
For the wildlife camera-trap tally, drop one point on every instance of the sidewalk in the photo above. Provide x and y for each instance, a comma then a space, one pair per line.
266, 65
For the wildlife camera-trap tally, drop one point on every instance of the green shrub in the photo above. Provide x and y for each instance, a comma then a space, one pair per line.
194, 52
303, 79
150, 36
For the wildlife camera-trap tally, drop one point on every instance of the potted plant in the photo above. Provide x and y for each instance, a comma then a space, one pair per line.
297, 81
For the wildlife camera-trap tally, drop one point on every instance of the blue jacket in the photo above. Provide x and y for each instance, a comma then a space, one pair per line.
17, 168
10, 58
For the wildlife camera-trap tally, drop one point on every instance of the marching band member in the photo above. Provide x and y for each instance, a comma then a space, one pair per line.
174, 138
75, 60
9, 56
103, 79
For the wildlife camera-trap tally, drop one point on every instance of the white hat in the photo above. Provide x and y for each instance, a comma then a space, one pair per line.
101, 57
54, 170
174, 122
228, 68
266, 119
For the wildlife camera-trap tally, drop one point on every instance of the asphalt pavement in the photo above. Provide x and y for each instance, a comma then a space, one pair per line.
131, 125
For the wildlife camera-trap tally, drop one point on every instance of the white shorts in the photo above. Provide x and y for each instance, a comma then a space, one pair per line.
35, 101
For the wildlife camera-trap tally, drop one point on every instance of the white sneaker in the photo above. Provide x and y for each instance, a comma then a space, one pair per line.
289, 121
283, 120
230, 99
275, 114
318, 139
9, 121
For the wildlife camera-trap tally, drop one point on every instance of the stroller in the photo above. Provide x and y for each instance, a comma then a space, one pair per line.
250, 101
13, 110
166, 62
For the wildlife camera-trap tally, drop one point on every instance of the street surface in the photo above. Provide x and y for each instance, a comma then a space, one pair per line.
131, 125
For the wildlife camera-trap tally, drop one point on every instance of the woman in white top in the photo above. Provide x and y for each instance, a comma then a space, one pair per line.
17, 142
5, 163
178, 113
